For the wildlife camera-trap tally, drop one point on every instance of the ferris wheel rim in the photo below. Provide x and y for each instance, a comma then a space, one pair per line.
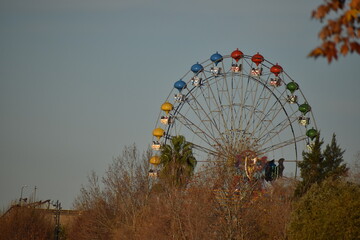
266, 64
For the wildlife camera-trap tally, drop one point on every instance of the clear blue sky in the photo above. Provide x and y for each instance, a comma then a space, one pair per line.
80, 79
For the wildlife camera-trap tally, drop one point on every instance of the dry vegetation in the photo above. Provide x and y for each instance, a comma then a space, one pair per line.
22, 223
127, 204
215, 204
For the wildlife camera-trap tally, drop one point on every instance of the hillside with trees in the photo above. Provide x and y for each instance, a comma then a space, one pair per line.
211, 203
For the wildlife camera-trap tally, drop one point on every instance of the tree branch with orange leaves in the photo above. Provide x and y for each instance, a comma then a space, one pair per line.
341, 33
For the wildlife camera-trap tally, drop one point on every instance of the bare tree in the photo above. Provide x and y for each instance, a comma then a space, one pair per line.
216, 203
113, 202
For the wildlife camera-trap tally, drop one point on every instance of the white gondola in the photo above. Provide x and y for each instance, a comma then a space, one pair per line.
166, 120
304, 121
156, 146
309, 147
153, 173
276, 82
256, 71
179, 97
236, 68
215, 71
292, 99
196, 81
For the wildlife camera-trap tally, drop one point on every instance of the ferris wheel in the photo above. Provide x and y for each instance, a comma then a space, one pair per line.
237, 106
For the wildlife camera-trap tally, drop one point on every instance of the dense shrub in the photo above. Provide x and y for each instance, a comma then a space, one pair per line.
329, 210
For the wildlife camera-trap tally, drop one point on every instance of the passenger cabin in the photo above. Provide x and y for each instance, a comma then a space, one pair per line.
196, 81
256, 71
156, 145
309, 147
166, 120
236, 68
215, 71
292, 99
179, 97
153, 173
304, 121
276, 82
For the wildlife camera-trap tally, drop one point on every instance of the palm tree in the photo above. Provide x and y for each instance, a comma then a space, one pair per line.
178, 161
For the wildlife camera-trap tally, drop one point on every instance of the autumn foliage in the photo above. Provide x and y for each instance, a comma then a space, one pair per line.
23, 223
127, 204
214, 204
341, 31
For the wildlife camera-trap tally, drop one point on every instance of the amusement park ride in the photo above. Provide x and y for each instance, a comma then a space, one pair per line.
237, 107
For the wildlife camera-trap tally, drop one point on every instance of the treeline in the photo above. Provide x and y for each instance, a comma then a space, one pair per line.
128, 204
214, 203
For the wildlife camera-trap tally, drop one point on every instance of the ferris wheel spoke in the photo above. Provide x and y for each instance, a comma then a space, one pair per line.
212, 140
195, 129
227, 105
244, 94
234, 102
268, 134
241, 96
277, 105
205, 150
217, 113
262, 104
241, 91
198, 109
281, 145
287, 123
202, 117
256, 109
271, 114
213, 99
266, 118
228, 92
223, 100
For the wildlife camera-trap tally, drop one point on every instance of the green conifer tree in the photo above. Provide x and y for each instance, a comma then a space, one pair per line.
318, 165
333, 165
311, 170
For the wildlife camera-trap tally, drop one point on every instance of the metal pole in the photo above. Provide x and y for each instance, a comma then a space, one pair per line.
21, 194
35, 194
57, 219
